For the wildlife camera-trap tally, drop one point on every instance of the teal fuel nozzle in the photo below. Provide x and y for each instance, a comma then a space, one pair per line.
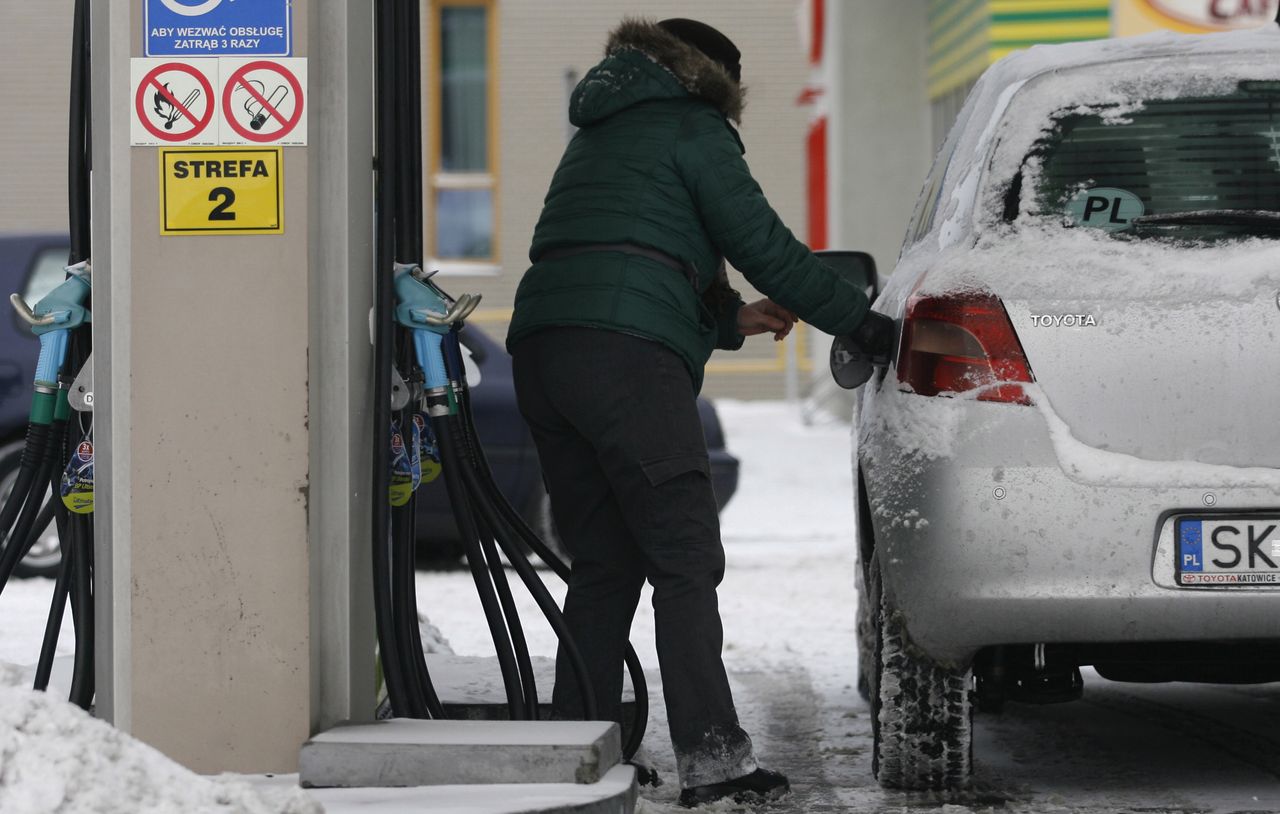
52, 320
424, 309
421, 309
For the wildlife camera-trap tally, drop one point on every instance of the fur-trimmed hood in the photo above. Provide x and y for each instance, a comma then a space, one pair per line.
620, 80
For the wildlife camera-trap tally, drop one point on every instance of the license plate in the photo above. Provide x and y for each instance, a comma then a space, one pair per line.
1228, 551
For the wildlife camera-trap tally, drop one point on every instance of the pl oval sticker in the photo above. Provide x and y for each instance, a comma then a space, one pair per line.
1105, 208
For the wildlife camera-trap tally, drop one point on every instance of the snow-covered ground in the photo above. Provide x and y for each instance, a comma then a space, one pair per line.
788, 607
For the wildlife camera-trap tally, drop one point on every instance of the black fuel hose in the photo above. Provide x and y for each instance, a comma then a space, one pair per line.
33, 452
53, 623
429, 696
524, 664
516, 523
78, 143
42, 520
538, 590
81, 528
426, 703
27, 515
447, 434
409, 208
78, 537
20, 536
405, 125
511, 530
405, 610
384, 305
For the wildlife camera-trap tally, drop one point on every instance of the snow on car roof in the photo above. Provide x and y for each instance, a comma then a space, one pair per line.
1028, 63
1084, 77
1012, 105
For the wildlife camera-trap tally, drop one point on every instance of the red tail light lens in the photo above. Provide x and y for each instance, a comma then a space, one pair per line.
954, 343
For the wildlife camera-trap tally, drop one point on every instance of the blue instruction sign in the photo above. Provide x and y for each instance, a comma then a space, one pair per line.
212, 28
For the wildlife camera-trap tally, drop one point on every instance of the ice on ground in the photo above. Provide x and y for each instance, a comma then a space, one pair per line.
54, 757
794, 481
433, 641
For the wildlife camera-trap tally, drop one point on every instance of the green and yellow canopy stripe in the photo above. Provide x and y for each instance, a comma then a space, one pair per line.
959, 39
965, 36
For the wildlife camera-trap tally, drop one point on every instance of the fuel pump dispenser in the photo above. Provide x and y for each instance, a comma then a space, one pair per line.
58, 456
421, 405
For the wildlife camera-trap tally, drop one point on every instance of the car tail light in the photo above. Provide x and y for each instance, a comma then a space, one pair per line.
958, 342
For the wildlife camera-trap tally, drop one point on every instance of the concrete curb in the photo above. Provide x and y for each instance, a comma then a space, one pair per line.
402, 753
616, 793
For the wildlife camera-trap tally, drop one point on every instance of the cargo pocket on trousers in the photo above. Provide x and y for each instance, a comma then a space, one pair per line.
680, 507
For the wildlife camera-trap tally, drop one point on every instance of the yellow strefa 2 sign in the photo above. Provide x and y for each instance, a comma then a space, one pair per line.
221, 191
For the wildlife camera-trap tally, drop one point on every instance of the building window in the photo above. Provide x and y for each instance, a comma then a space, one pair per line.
463, 191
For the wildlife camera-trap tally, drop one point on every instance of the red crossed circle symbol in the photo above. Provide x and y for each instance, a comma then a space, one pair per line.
152, 81
239, 80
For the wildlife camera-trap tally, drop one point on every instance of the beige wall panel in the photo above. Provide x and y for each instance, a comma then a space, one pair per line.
35, 68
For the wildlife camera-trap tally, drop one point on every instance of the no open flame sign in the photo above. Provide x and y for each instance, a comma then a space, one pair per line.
222, 101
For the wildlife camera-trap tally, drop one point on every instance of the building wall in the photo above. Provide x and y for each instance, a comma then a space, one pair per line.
884, 138
35, 62
539, 43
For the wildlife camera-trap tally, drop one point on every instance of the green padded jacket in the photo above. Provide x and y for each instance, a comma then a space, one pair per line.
657, 163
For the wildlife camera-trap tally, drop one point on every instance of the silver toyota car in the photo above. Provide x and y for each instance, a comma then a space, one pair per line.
1074, 458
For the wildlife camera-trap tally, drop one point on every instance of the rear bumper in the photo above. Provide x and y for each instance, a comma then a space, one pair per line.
992, 542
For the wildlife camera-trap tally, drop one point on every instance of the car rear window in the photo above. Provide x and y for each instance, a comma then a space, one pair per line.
1220, 155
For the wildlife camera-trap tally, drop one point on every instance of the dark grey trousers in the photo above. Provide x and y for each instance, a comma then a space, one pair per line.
616, 425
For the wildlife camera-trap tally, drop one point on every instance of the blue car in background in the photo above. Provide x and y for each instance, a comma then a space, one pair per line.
32, 265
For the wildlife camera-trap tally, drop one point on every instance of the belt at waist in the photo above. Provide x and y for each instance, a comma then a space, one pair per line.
655, 255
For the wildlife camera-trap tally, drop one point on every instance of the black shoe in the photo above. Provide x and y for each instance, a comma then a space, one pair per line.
647, 775
760, 786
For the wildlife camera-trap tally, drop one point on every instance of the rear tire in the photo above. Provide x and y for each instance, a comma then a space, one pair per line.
921, 711
544, 525
46, 553
865, 633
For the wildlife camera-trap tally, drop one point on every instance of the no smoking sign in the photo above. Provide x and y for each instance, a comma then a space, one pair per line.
222, 101
264, 101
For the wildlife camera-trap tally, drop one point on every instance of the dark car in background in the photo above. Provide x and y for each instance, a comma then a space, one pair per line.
32, 265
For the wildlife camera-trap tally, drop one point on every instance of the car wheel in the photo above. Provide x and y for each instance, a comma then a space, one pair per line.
921, 711
544, 525
46, 553
864, 631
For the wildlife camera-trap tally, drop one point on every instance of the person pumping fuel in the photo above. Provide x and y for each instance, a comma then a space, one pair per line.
614, 321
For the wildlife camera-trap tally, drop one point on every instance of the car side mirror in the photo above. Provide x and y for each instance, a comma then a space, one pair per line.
858, 268
850, 366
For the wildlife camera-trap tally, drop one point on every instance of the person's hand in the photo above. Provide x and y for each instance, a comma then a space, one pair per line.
765, 316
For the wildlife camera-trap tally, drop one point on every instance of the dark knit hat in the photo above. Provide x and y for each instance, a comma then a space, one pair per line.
709, 41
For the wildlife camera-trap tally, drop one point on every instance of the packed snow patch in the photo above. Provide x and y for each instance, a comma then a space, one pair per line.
54, 757
922, 429
1042, 262
1088, 464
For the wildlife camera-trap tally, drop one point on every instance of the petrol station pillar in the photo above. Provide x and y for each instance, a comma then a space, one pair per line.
232, 371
